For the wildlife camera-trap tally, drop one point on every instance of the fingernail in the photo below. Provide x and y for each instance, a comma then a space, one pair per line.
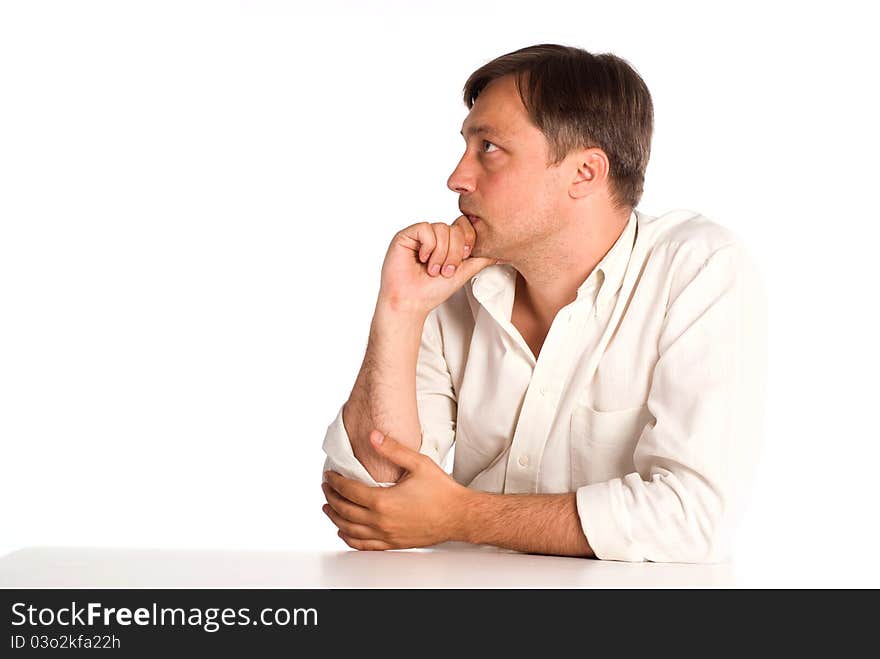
434, 269
467, 248
449, 270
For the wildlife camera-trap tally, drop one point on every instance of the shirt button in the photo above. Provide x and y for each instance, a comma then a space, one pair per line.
524, 460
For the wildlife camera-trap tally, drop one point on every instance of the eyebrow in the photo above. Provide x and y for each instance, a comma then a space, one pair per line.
483, 129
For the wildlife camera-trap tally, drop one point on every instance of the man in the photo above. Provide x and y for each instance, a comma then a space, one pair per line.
599, 370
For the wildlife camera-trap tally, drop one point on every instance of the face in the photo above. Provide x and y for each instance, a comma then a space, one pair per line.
503, 178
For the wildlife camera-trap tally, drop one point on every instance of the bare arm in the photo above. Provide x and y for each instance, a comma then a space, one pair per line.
532, 523
384, 393
416, 278
427, 507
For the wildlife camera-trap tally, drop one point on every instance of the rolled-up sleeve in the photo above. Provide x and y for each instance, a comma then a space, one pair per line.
436, 401
695, 460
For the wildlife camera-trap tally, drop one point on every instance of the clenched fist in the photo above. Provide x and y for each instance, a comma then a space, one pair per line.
426, 263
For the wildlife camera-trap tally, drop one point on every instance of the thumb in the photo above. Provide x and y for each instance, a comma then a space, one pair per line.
471, 266
390, 448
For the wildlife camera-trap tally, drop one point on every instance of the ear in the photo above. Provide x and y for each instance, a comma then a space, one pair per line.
592, 168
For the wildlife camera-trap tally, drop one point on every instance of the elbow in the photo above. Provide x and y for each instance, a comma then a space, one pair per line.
672, 518
695, 548
697, 528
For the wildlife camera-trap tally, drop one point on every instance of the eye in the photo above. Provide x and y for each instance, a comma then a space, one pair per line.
485, 142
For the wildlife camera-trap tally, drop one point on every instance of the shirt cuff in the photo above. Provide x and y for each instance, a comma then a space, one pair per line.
341, 458
340, 455
605, 521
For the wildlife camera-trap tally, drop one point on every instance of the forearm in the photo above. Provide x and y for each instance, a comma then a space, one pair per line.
384, 393
531, 523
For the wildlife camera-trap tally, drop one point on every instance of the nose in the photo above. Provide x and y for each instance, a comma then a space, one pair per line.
462, 178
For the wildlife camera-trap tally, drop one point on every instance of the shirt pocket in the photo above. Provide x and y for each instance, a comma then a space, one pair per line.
603, 443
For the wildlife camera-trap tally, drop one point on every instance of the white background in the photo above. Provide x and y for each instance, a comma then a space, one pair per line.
195, 199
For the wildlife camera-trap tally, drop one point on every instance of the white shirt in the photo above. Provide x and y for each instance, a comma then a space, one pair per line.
646, 399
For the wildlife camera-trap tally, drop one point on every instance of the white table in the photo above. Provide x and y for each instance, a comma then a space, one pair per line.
450, 565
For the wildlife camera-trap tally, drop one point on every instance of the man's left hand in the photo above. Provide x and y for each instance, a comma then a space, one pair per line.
423, 508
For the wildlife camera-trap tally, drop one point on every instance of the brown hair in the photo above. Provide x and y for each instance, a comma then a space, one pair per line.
580, 100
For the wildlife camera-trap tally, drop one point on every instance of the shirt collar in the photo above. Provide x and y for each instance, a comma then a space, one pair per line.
613, 265
607, 275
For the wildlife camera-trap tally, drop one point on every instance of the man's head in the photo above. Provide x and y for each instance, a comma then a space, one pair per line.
553, 133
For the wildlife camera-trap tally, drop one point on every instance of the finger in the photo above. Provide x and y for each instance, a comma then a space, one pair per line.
455, 253
470, 234
399, 454
352, 490
346, 508
364, 545
349, 528
419, 238
438, 256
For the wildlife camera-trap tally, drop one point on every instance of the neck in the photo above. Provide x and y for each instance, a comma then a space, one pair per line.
550, 274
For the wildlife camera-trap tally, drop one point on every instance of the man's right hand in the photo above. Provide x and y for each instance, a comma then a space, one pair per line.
426, 263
